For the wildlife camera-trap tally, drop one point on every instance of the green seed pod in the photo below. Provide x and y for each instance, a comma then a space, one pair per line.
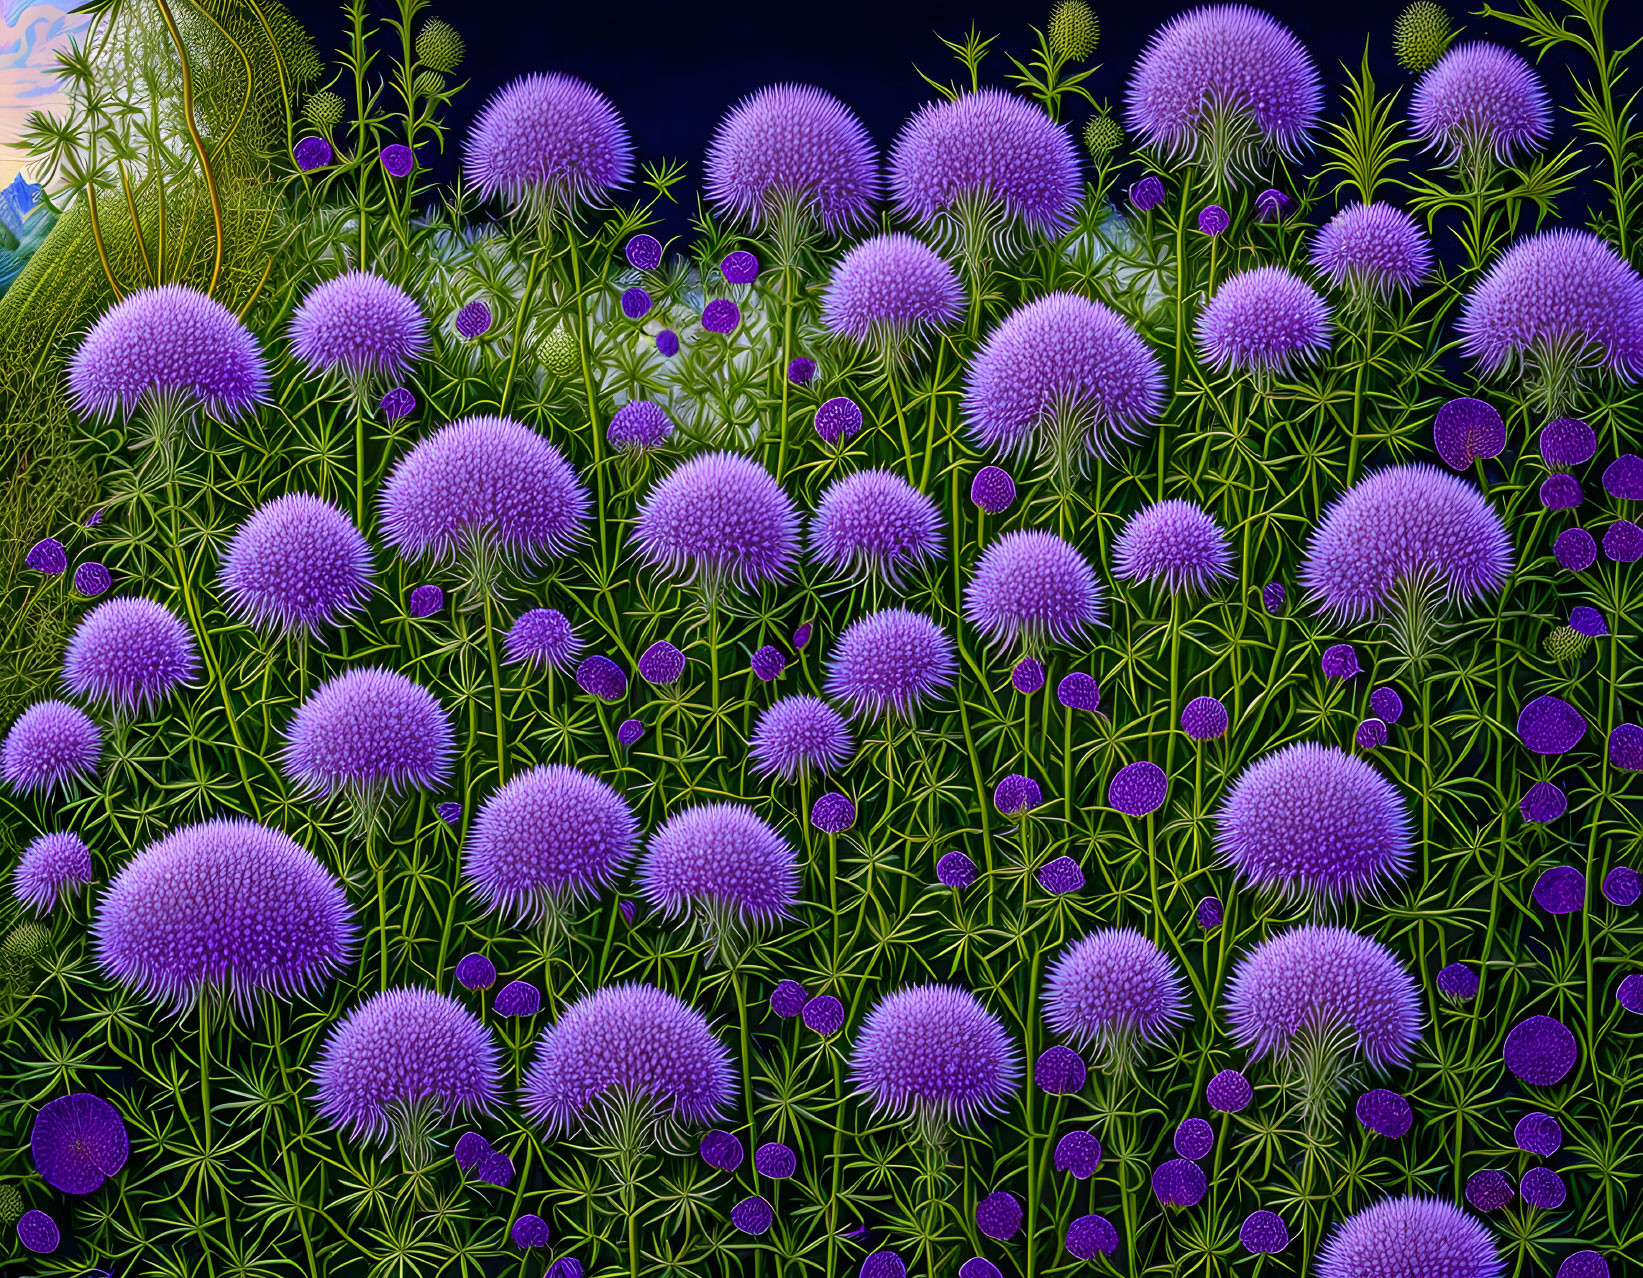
11, 1205
427, 83
1073, 31
1103, 135
26, 943
439, 46
323, 109
1565, 643
1421, 35
558, 351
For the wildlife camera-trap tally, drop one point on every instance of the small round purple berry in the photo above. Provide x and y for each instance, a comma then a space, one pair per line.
1623, 477
601, 677
1138, 790
740, 267
1078, 1154
1561, 492
788, 998
1575, 550
475, 972
1340, 661
1385, 1113
993, 490
38, 1232
1466, 430
1550, 725
1272, 597
661, 663
425, 601
312, 152
1488, 1190
998, 1215
752, 1215
1567, 441
1263, 1233
398, 159
956, 870
1629, 993
768, 663
473, 320
1458, 981
1561, 890
1387, 704
397, 402
722, 1150
1060, 1071
517, 998
1204, 719
644, 252
450, 812
1079, 691
1061, 876
1089, 1236
1147, 194
839, 418
833, 813
721, 315
1229, 1092
1028, 675
1543, 1189
1370, 735
1179, 1183
1538, 1133
824, 1015
1541, 1051
530, 1231
1622, 886
47, 556
1213, 219
636, 303
1016, 794
91, 579
1588, 621
775, 1160
801, 371
801, 636
667, 341
1194, 1139
1542, 803
630, 731
1209, 913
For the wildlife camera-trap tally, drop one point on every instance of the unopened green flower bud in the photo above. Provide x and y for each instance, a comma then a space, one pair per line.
559, 351
427, 83
1103, 135
439, 46
1421, 35
26, 943
323, 109
11, 1205
1565, 643
1073, 31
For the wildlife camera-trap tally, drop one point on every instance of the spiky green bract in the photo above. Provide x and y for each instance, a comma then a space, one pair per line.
1421, 35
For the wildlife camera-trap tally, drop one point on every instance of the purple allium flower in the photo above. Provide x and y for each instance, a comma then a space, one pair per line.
1372, 249
1467, 429
368, 729
889, 662
775, 1161
1385, 1113
882, 1264
1622, 886
721, 315
471, 1150
1317, 979
1538, 1133
1027, 677
1623, 542
788, 998
130, 653
311, 153
530, 1231
644, 252
629, 731
1629, 993
1575, 549
1209, 913
1204, 719
1313, 820
798, 733
1213, 219
1561, 890
1078, 1154
1112, 987
542, 636
1542, 1188
801, 371
1340, 661
628, 1041
990, 146
517, 998
1567, 441
47, 556
1480, 100
721, 861
78, 1142
296, 563
933, 1051
1194, 1139
1147, 194
425, 601
1263, 1233
636, 303
722, 1150
740, 267
549, 836
1272, 597
1561, 492
1060, 876
224, 906
397, 159
1079, 691
1410, 1235
1088, 1236
717, 519
406, 1048
1218, 84
993, 490
1062, 377
473, 320
839, 418
1488, 1190
475, 972
450, 813
1556, 296
1583, 1264
51, 743
1404, 524
1138, 789
753, 1215
1016, 794
1271, 205
38, 1232
1032, 587
833, 813
768, 663
167, 344
1623, 477
661, 663
889, 288
667, 342
397, 402
360, 325
51, 866
1540, 1051
955, 870
1261, 321
1060, 1071
548, 141
794, 149
873, 523
1180, 1182
1458, 981
824, 1015
483, 480
1550, 725
1229, 1092
998, 1215
1543, 803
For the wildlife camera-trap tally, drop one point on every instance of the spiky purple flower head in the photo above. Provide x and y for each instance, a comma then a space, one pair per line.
796, 734
78, 1141
548, 837
935, 1053
165, 345
548, 142
888, 289
296, 564
129, 653
223, 907
1317, 980
639, 425
1404, 525
483, 482
1263, 321
542, 636
1032, 587
1372, 250
1218, 85
890, 662
1175, 543
718, 519
631, 1043
722, 864
986, 147
359, 325
792, 151
874, 523
401, 1050
1410, 1235
1109, 989
1314, 821
1062, 376
52, 866
51, 743
368, 730
1480, 101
